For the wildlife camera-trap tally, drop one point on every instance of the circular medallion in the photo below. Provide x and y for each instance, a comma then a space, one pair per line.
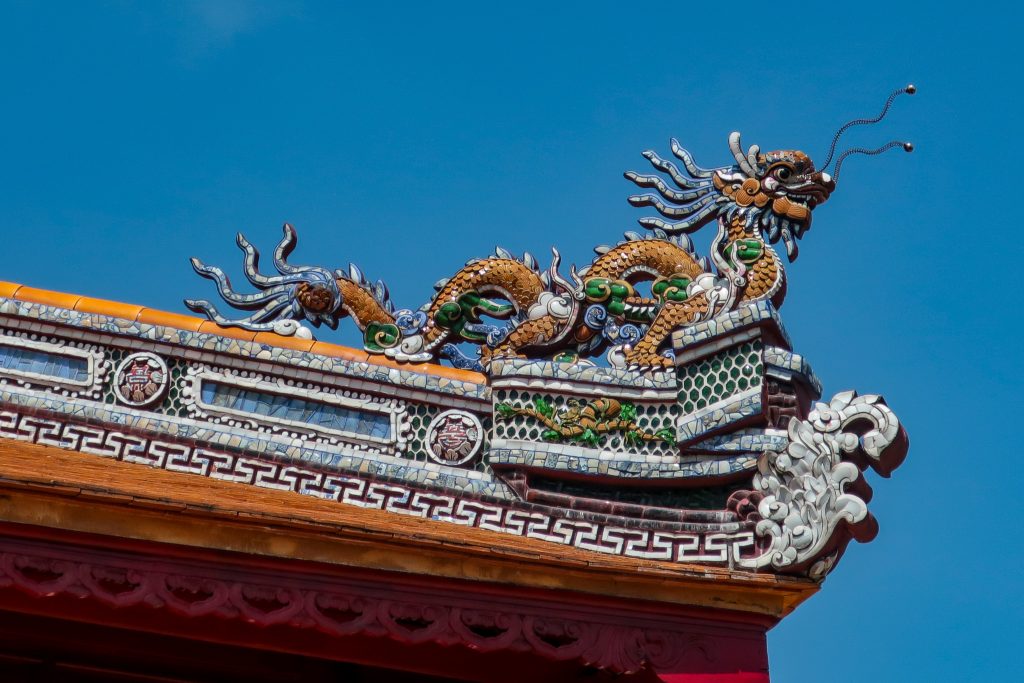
140, 379
454, 437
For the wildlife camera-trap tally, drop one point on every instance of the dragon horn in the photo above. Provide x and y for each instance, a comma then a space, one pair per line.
575, 290
742, 159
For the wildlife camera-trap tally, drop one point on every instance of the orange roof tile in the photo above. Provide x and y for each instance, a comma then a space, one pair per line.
151, 316
9, 289
48, 298
113, 309
189, 323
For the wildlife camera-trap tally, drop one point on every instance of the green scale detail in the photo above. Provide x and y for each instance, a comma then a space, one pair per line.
715, 378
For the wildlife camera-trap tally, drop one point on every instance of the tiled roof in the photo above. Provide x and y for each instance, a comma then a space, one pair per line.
151, 316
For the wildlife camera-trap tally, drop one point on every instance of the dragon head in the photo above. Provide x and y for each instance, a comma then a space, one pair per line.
774, 192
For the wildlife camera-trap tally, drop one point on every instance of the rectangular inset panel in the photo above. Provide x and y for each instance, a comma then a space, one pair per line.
50, 363
291, 410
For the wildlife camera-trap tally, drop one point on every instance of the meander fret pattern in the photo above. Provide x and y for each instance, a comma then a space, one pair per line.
568, 423
713, 546
712, 379
24, 360
419, 415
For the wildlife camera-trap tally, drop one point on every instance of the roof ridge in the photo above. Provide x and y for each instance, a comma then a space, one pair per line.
180, 321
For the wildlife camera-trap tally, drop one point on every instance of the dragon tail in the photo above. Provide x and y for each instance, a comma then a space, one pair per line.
296, 294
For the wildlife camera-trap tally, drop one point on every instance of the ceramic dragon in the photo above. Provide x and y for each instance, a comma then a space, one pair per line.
509, 307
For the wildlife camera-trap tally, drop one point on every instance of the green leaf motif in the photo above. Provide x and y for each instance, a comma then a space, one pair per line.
505, 409
590, 437
628, 412
543, 407
666, 435
551, 435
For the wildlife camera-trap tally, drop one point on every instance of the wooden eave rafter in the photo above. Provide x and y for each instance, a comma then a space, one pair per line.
51, 488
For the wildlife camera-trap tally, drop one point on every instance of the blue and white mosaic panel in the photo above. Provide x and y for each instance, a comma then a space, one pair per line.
70, 369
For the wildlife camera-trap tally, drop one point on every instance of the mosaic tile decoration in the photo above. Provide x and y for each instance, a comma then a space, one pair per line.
208, 344
293, 412
716, 378
27, 362
728, 544
262, 414
650, 367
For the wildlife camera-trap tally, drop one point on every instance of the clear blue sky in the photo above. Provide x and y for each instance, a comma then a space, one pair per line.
408, 138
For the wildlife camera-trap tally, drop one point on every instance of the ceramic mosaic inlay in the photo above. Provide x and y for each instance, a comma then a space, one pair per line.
140, 379
647, 403
720, 377
26, 362
454, 437
52, 364
598, 423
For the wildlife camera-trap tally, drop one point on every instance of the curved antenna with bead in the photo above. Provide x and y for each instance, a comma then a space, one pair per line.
910, 89
907, 147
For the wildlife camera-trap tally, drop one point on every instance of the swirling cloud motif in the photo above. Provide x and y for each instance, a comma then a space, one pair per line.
812, 497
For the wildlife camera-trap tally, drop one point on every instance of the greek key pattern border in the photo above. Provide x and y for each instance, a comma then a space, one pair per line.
714, 548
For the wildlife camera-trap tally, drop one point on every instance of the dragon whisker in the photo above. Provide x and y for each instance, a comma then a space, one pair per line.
691, 223
284, 250
910, 90
687, 159
670, 211
251, 264
249, 302
666, 191
272, 309
236, 299
907, 147
670, 168
203, 306
743, 159
297, 273
251, 268
211, 312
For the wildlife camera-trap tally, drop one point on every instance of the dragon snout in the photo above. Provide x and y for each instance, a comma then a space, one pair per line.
818, 186
824, 181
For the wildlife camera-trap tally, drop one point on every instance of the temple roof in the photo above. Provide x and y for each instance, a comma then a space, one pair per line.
667, 472
70, 491
152, 316
73, 491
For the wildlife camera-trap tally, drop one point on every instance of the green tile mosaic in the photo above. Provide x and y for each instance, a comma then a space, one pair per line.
711, 379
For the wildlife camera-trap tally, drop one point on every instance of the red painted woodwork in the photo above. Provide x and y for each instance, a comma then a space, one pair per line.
379, 621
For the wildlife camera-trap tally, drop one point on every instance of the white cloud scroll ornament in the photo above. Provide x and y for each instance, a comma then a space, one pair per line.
811, 498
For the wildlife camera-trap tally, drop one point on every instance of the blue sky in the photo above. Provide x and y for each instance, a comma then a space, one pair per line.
409, 137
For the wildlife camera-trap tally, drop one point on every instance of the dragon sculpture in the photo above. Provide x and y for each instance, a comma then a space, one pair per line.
759, 200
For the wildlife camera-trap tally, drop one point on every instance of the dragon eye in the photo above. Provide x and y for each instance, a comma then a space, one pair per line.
783, 173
